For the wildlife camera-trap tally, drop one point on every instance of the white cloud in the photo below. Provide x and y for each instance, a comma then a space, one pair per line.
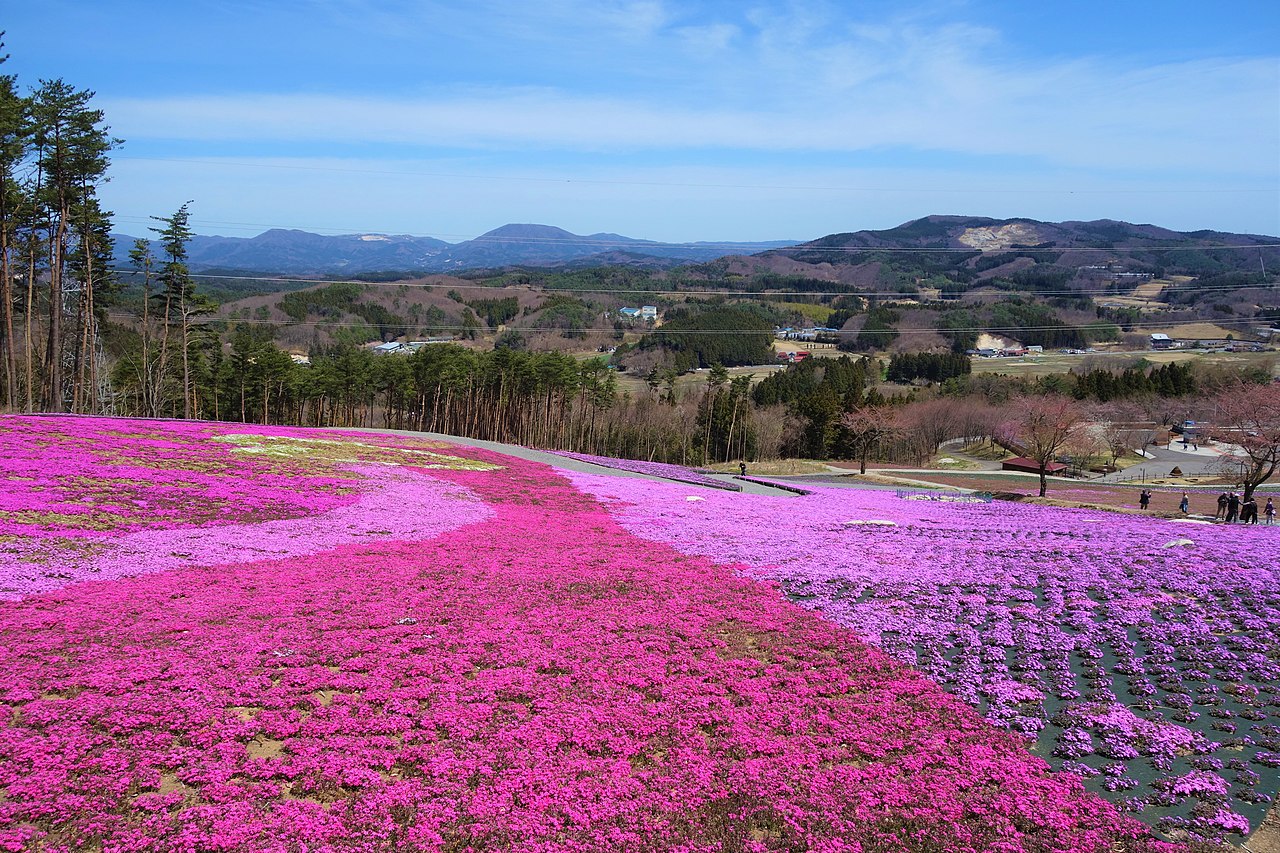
1207, 115
709, 39
626, 82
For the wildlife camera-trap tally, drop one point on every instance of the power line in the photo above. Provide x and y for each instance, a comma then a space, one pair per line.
629, 243
759, 294
638, 245
684, 184
1015, 250
662, 330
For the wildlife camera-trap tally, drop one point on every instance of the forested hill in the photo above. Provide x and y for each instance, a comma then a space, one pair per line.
969, 248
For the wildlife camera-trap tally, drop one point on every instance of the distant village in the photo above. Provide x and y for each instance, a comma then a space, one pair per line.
988, 345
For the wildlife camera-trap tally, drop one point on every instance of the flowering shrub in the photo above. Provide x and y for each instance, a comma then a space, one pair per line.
503, 666
1077, 628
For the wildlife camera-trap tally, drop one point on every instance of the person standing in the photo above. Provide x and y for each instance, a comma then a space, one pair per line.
742, 468
1144, 499
1222, 506
1233, 508
1270, 511
1249, 511
1185, 503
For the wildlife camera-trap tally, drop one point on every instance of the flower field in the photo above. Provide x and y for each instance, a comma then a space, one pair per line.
224, 637
1141, 654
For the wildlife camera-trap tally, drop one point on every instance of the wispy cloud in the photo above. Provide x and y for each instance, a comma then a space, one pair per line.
1074, 114
788, 93
628, 76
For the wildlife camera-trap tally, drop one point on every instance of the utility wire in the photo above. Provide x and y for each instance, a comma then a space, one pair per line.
638, 245
662, 330
678, 184
761, 294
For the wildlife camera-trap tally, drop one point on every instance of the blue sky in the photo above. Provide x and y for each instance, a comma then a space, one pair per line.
672, 121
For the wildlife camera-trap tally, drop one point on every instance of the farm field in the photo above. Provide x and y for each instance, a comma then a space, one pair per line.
227, 637
1028, 366
1055, 362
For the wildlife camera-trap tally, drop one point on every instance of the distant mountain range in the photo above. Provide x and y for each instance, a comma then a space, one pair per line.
1025, 242
290, 252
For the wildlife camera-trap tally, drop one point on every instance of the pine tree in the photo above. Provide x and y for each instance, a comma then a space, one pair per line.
15, 140
180, 300
71, 146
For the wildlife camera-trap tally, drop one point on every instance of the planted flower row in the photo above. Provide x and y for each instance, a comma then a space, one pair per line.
1132, 654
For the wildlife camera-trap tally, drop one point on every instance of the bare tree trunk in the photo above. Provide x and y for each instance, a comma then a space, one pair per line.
90, 329
163, 364
6, 294
144, 373
53, 399
77, 384
186, 345
29, 344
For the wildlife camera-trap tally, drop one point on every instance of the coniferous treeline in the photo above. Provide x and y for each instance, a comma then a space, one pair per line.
55, 248
817, 395
1169, 380
728, 335
935, 367
540, 399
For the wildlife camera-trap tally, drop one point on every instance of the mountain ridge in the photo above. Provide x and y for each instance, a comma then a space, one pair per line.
292, 251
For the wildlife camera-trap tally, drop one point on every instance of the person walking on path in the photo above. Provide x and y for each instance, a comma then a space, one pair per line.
1233, 508
1185, 503
1222, 506
1270, 511
1144, 499
742, 466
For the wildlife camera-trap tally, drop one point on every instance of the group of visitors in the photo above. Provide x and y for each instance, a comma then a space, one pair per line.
1231, 508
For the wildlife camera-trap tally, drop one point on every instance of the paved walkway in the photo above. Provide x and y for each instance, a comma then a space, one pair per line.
567, 462
1194, 463
953, 449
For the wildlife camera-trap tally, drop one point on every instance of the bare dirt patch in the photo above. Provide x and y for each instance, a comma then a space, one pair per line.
1200, 330
1266, 838
264, 747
